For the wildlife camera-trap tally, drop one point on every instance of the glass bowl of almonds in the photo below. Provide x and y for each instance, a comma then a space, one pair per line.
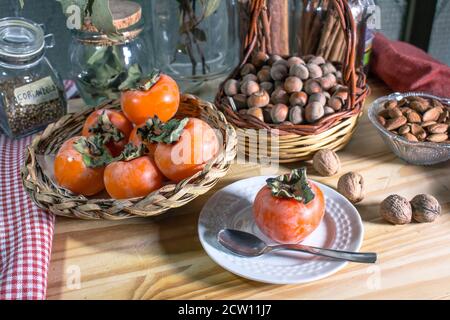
414, 125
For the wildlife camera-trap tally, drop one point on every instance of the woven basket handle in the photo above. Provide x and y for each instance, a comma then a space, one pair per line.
258, 37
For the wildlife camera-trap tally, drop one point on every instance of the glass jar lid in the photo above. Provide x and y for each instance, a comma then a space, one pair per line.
21, 40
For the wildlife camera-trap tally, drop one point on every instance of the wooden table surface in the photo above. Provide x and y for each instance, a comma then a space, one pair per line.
161, 258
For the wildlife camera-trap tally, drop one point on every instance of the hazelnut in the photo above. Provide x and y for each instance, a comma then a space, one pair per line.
247, 68
327, 68
326, 94
318, 97
295, 60
281, 61
341, 92
242, 111
264, 75
396, 209
425, 208
312, 86
351, 186
293, 84
249, 87
314, 111
279, 71
259, 59
240, 101
279, 96
335, 103
327, 110
258, 99
279, 84
317, 60
279, 113
298, 99
338, 74
299, 70
326, 162
268, 86
231, 87
250, 76
296, 115
328, 81
256, 112
274, 58
314, 71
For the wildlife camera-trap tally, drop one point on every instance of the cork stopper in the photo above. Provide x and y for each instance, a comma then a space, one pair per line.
125, 13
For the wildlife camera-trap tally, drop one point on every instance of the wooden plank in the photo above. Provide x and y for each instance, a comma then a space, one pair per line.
161, 258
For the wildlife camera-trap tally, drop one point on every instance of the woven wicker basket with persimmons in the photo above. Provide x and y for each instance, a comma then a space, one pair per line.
289, 143
49, 196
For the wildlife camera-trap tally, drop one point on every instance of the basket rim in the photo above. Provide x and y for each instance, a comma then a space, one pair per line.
48, 196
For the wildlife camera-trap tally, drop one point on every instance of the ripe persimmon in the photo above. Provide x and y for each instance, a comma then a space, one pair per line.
79, 165
135, 175
184, 147
289, 207
158, 95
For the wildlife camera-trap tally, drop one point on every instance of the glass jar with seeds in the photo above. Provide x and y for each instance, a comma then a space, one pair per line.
103, 63
31, 92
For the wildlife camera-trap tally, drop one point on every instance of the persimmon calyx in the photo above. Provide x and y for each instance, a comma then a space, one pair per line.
131, 152
142, 83
292, 185
155, 130
92, 150
106, 129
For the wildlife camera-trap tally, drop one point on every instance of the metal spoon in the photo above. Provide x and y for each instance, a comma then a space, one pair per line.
248, 245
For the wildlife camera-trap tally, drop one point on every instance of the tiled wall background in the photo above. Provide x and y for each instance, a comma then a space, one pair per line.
393, 17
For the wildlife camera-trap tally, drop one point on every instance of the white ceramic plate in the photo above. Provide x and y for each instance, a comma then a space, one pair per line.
231, 207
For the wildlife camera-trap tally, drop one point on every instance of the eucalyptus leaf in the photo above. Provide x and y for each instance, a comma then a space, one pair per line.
133, 75
211, 7
102, 18
199, 34
22, 3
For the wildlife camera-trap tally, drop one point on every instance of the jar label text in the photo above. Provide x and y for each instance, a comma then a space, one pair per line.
37, 92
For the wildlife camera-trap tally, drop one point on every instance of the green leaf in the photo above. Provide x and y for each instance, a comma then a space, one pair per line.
102, 18
292, 185
199, 34
98, 56
22, 3
211, 7
133, 75
157, 131
94, 153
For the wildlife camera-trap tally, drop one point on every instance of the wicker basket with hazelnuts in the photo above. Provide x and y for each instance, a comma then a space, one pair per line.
288, 91
307, 103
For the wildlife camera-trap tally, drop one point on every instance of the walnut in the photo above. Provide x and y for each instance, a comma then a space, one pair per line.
425, 208
351, 186
396, 209
326, 162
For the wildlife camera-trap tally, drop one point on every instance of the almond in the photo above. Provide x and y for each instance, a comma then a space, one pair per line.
395, 112
410, 137
418, 131
438, 128
404, 129
418, 106
437, 137
391, 104
380, 119
427, 124
392, 124
432, 114
443, 117
414, 117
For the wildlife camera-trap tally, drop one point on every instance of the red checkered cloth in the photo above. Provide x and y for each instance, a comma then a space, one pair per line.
26, 232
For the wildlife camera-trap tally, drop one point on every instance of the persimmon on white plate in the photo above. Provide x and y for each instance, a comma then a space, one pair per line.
231, 207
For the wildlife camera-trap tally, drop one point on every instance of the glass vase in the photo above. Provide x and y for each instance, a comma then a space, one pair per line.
194, 41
